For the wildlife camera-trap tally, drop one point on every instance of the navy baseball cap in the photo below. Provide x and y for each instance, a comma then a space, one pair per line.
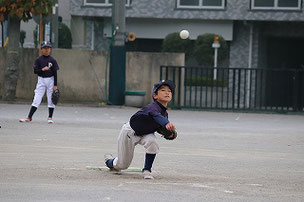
46, 43
168, 83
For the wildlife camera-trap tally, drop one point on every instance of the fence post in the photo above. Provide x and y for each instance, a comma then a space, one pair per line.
295, 91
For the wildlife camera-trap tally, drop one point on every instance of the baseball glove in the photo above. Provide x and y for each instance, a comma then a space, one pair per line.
55, 96
167, 134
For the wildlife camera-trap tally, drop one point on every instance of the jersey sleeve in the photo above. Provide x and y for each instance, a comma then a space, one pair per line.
159, 118
55, 68
55, 76
163, 121
56, 65
37, 68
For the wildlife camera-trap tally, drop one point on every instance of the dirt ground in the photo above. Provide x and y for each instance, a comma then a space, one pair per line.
218, 156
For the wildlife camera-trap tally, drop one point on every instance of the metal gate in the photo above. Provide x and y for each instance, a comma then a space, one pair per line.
246, 89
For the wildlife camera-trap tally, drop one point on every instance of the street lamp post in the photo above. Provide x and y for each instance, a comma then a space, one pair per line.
215, 45
41, 31
55, 26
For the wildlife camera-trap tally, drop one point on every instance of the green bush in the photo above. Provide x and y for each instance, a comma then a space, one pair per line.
64, 36
35, 36
204, 81
204, 53
174, 44
22, 37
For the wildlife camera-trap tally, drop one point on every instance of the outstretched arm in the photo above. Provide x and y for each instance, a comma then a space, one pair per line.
170, 126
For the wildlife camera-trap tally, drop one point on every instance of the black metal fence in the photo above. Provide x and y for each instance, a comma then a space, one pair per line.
237, 88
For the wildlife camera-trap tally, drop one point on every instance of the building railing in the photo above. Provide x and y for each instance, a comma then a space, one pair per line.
255, 89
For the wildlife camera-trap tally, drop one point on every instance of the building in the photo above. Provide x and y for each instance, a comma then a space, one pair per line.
260, 33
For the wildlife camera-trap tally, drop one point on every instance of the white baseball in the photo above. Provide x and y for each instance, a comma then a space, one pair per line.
184, 34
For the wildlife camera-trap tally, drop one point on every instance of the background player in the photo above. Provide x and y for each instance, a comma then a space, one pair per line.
46, 67
140, 130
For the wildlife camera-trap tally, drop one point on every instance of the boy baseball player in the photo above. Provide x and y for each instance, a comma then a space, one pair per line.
46, 67
141, 128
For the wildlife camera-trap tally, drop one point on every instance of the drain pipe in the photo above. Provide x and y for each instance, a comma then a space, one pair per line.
249, 63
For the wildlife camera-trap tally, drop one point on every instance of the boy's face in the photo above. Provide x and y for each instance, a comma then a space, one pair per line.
163, 95
46, 51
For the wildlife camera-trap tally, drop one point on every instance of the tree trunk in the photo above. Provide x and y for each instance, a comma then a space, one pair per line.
12, 60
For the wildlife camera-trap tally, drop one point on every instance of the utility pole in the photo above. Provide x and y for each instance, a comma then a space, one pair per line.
117, 81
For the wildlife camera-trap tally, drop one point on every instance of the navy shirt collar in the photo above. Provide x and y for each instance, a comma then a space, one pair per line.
162, 106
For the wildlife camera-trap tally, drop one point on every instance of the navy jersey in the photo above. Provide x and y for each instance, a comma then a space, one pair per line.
149, 119
49, 61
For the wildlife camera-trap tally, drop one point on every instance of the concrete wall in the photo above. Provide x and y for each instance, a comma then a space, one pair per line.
81, 77
143, 69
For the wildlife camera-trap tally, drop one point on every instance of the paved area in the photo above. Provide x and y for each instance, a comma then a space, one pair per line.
218, 156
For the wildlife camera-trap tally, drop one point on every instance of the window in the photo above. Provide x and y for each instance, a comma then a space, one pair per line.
276, 4
103, 2
212, 4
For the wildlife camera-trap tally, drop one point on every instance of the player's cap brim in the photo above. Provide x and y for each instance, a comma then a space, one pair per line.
168, 83
46, 46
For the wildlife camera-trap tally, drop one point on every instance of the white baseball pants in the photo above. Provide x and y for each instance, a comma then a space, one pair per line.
44, 84
127, 141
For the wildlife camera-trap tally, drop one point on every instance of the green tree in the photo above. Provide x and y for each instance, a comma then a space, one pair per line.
173, 43
17, 10
64, 36
204, 53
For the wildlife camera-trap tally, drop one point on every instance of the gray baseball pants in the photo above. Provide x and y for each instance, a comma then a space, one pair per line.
127, 140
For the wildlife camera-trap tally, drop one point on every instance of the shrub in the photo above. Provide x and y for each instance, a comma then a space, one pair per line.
173, 43
22, 37
64, 36
204, 53
204, 81
35, 36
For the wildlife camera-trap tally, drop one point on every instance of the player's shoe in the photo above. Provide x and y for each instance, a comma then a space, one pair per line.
147, 175
50, 120
28, 119
108, 159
